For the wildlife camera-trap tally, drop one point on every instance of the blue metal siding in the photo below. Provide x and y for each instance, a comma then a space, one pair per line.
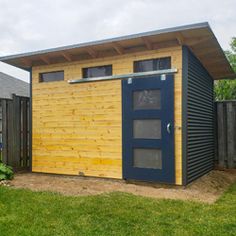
200, 147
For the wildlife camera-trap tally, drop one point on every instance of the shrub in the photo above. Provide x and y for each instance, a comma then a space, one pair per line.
6, 172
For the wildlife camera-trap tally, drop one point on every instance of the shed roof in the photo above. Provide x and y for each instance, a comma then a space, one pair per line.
11, 85
198, 37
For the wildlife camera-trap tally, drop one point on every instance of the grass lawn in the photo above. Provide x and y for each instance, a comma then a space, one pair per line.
23, 212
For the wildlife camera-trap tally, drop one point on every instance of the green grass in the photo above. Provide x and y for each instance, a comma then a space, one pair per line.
23, 212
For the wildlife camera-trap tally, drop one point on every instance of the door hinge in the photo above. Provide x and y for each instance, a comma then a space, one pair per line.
130, 80
163, 77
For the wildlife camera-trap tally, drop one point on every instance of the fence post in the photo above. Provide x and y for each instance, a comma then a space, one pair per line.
24, 131
4, 132
16, 131
215, 135
221, 135
230, 134
10, 134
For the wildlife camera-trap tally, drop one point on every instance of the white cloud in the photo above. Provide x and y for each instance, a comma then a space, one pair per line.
32, 25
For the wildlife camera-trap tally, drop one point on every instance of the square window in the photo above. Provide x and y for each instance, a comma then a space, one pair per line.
98, 71
152, 64
51, 76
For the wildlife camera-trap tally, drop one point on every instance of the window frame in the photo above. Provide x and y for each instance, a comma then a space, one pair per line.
91, 67
154, 62
51, 72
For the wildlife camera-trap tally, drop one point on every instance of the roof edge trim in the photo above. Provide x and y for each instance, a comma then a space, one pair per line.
109, 40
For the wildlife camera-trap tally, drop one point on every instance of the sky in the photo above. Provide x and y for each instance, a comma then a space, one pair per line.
33, 25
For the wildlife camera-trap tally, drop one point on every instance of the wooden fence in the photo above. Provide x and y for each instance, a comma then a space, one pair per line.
15, 132
226, 134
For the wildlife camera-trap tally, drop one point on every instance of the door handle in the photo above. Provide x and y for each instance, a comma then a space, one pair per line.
168, 128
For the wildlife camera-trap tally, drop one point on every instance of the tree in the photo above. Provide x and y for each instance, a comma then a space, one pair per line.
226, 89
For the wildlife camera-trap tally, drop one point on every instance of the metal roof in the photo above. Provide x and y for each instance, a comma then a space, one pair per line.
110, 40
198, 37
11, 85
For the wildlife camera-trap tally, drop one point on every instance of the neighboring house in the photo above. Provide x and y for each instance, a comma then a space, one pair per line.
8, 86
137, 107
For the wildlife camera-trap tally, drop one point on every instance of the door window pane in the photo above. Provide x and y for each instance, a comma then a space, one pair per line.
147, 99
147, 158
147, 129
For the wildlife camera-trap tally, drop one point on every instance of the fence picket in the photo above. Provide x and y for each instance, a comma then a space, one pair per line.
221, 135
24, 132
230, 134
4, 131
226, 128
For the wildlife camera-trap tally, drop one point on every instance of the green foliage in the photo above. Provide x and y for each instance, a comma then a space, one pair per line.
233, 44
226, 89
6, 172
231, 54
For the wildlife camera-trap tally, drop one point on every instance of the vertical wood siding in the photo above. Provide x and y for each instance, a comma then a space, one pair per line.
77, 127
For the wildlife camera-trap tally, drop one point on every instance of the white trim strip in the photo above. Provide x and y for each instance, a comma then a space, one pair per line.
124, 76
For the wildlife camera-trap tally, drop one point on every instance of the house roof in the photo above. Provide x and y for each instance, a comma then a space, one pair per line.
198, 37
11, 85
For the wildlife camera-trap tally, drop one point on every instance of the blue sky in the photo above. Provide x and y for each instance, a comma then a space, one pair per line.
32, 25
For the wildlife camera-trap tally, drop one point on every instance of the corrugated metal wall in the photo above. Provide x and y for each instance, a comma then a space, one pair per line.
200, 147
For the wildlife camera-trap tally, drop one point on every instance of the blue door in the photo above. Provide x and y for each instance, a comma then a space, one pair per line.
148, 129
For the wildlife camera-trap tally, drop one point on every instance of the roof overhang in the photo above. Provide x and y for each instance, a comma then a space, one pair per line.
198, 37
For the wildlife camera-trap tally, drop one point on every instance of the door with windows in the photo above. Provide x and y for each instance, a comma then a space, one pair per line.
148, 128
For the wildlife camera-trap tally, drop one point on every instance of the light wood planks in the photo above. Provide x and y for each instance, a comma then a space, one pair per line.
77, 128
68, 125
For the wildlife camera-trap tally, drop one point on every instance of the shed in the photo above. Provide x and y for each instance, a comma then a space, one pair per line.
138, 107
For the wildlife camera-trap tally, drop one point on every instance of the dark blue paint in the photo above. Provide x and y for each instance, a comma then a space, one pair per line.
166, 144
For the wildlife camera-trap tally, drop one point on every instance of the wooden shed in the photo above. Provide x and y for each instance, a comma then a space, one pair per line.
138, 107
